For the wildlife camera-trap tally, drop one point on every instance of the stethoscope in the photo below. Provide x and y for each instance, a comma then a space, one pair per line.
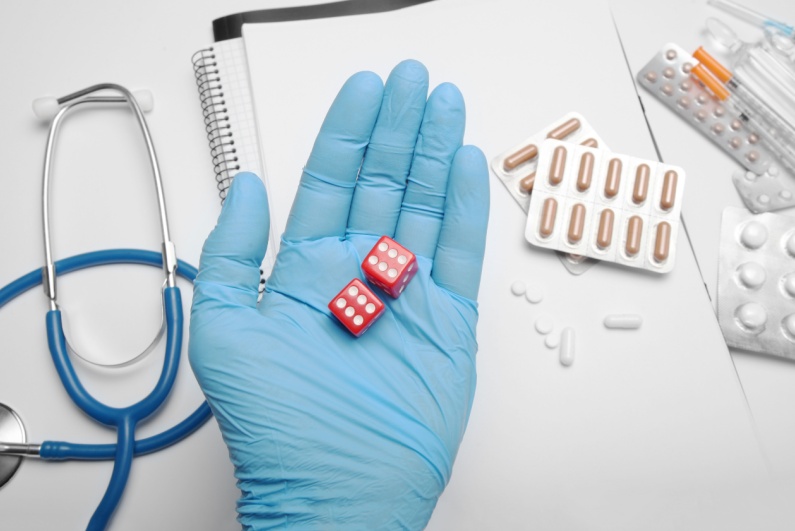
13, 445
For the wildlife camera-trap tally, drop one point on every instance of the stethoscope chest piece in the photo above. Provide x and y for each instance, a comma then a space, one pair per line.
11, 431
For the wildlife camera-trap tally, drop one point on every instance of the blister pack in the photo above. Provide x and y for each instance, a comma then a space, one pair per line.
772, 190
756, 282
606, 206
516, 168
668, 77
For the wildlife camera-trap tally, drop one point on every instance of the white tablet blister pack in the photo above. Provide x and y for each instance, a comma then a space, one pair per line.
756, 282
591, 202
772, 190
516, 168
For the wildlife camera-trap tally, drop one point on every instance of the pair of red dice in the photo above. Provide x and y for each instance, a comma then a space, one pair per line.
389, 266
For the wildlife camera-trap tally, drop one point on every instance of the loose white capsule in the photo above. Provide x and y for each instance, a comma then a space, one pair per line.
623, 321
567, 347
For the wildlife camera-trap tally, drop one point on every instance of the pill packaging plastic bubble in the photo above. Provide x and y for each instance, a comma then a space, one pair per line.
606, 206
667, 76
771, 190
756, 282
516, 168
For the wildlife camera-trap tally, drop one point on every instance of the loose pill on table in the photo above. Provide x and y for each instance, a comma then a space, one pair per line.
548, 213
558, 166
552, 340
613, 180
533, 295
525, 154
518, 288
669, 190
543, 325
662, 242
641, 187
576, 223
585, 172
623, 321
604, 234
567, 347
634, 233
564, 129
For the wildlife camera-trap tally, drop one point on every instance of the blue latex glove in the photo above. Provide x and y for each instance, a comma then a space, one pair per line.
327, 431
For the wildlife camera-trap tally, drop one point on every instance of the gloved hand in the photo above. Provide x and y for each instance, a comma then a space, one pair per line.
325, 430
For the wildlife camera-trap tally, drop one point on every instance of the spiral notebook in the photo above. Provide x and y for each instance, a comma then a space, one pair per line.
227, 102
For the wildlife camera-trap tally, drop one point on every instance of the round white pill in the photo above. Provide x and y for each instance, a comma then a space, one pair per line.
383, 246
735, 142
751, 275
353, 291
750, 176
402, 259
753, 138
786, 195
651, 76
361, 299
373, 260
751, 316
753, 235
667, 89
392, 273
686, 68
764, 199
370, 308
790, 245
341, 303
701, 115
349, 311
788, 324
788, 284
358, 320
752, 156
543, 325
533, 295
669, 72
382, 266
392, 253
719, 111
518, 288
552, 340
670, 55
772, 170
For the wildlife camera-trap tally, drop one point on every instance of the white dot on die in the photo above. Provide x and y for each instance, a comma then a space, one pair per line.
358, 320
373, 260
402, 259
382, 247
411, 267
370, 308
341, 303
405, 279
402, 288
392, 253
392, 273
353, 291
382, 266
361, 299
349, 311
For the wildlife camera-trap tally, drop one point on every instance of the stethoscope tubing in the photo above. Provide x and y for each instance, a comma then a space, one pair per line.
61, 450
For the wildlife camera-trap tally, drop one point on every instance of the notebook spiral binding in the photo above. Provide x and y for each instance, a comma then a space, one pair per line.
216, 120
217, 126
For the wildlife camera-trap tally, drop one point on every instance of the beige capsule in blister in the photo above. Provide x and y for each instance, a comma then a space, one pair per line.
604, 206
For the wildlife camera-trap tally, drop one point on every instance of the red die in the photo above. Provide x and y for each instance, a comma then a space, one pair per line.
389, 266
356, 307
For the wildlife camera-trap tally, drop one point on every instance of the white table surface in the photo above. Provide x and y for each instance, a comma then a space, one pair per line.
647, 430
